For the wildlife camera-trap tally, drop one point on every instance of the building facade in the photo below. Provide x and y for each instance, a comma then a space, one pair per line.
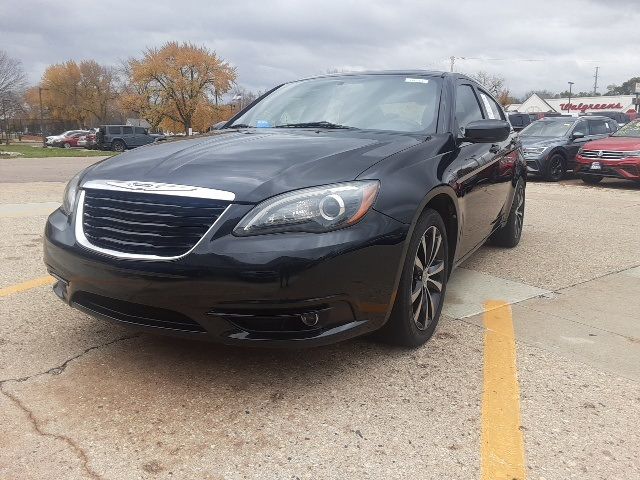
580, 105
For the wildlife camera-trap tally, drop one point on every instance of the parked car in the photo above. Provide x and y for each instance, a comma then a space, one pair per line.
551, 144
88, 141
70, 140
288, 228
519, 120
121, 137
53, 140
617, 156
620, 117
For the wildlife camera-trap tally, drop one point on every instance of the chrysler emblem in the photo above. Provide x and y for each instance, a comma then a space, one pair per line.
149, 186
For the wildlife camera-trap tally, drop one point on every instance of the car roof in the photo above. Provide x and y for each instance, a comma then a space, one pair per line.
431, 73
565, 118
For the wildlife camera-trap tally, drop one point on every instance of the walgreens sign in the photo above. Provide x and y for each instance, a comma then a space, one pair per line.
583, 107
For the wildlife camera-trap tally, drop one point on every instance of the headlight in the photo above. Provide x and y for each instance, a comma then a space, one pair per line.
70, 193
534, 150
317, 209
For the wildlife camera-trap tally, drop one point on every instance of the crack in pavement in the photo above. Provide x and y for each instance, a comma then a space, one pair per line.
37, 426
82, 455
62, 367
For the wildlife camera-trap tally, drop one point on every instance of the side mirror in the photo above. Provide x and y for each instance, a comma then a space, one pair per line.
487, 131
577, 135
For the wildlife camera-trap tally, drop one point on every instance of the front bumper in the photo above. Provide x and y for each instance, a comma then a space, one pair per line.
628, 169
251, 290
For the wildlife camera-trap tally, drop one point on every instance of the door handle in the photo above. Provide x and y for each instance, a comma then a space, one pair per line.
495, 148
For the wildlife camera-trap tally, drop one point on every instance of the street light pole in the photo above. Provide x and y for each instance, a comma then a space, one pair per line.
569, 104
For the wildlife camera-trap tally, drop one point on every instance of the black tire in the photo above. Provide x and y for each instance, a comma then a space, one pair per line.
591, 179
509, 235
118, 146
556, 168
403, 328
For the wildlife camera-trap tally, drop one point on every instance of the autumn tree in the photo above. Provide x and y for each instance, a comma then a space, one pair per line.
141, 98
179, 82
84, 92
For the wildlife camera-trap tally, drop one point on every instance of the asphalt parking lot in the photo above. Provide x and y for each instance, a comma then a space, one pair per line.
534, 371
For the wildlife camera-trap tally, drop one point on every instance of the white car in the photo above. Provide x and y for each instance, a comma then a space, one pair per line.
51, 140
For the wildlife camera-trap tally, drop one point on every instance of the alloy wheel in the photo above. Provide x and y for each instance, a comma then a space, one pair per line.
555, 168
519, 210
428, 278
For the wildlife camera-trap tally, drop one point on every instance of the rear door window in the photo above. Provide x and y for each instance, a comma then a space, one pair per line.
598, 127
467, 106
115, 130
127, 130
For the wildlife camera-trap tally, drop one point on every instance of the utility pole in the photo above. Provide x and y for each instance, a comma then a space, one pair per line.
595, 83
44, 139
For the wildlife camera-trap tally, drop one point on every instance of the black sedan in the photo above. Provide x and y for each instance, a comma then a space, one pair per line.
331, 207
551, 144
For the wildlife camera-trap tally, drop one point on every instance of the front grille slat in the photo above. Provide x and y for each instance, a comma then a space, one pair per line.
137, 206
147, 224
604, 154
144, 216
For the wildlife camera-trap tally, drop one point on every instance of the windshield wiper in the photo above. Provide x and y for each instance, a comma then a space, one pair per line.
239, 125
320, 124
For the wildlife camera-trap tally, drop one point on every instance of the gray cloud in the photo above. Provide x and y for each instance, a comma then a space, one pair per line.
278, 40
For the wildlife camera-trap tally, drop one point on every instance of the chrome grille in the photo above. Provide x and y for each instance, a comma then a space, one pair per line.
605, 154
139, 224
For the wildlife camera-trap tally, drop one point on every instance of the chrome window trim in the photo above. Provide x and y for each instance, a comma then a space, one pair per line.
84, 241
161, 189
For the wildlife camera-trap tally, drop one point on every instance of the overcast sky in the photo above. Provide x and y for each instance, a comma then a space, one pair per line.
271, 41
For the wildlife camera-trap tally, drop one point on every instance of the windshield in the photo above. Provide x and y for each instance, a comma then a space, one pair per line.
402, 103
631, 129
546, 128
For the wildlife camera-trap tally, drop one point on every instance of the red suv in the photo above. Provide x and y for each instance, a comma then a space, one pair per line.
617, 156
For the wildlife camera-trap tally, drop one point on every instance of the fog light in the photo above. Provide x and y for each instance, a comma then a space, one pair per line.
310, 319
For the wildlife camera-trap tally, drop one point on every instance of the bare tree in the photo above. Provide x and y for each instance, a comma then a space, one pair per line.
12, 84
241, 96
495, 84
12, 77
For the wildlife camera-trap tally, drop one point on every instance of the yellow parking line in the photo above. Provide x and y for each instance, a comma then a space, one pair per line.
28, 285
502, 441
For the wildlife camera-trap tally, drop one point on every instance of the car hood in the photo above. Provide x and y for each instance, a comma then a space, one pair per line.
623, 144
541, 141
253, 164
